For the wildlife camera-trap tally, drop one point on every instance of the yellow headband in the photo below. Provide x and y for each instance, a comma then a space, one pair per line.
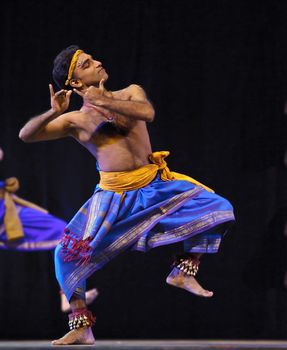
72, 66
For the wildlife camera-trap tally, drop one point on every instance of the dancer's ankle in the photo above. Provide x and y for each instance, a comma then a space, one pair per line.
80, 318
187, 263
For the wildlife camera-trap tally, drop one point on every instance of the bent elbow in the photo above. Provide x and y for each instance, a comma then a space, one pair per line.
24, 137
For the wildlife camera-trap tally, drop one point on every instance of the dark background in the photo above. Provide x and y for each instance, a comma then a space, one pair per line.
216, 74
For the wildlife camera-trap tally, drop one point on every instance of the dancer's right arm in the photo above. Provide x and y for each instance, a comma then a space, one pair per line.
52, 124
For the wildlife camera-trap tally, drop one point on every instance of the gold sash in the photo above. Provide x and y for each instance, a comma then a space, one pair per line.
12, 222
121, 181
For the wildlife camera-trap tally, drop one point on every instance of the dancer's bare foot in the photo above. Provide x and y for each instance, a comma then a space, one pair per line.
82, 335
90, 297
178, 279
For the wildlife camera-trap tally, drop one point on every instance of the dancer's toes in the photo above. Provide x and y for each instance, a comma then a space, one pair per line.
69, 338
58, 342
207, 294
91, 295
76, 336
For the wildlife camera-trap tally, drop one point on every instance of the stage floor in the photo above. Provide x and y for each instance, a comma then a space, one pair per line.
151, 345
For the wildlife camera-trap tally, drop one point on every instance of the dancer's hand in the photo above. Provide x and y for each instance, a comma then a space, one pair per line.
94, 95
60, 100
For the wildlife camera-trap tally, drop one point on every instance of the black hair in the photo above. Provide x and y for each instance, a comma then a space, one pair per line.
62, 64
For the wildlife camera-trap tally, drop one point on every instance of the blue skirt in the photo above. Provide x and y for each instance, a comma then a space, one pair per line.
161, 213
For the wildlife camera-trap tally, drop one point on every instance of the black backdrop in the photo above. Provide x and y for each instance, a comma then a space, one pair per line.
216, 74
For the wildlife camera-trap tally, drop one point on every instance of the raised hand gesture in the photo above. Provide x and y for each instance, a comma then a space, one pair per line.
95, 95
60, 100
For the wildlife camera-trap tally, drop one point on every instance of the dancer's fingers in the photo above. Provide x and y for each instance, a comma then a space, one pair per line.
61, 92
80, 93
52, 93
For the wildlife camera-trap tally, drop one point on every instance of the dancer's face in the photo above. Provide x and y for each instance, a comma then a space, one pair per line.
88, 72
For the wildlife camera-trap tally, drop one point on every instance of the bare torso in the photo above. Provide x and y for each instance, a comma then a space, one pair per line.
120, 144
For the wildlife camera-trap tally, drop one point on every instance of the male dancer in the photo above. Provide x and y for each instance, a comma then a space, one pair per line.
139, 203
24, 226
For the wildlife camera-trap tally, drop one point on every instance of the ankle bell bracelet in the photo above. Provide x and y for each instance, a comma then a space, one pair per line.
189, 266
81, 318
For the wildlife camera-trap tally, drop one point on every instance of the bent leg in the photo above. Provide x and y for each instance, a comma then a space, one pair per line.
206, 241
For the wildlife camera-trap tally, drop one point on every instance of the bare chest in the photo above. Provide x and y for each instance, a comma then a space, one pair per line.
99, 129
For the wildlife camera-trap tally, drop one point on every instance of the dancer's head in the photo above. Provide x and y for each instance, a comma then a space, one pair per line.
73, 68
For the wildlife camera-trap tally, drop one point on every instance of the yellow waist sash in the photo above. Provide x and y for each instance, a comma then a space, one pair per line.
121, 181
12, 222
